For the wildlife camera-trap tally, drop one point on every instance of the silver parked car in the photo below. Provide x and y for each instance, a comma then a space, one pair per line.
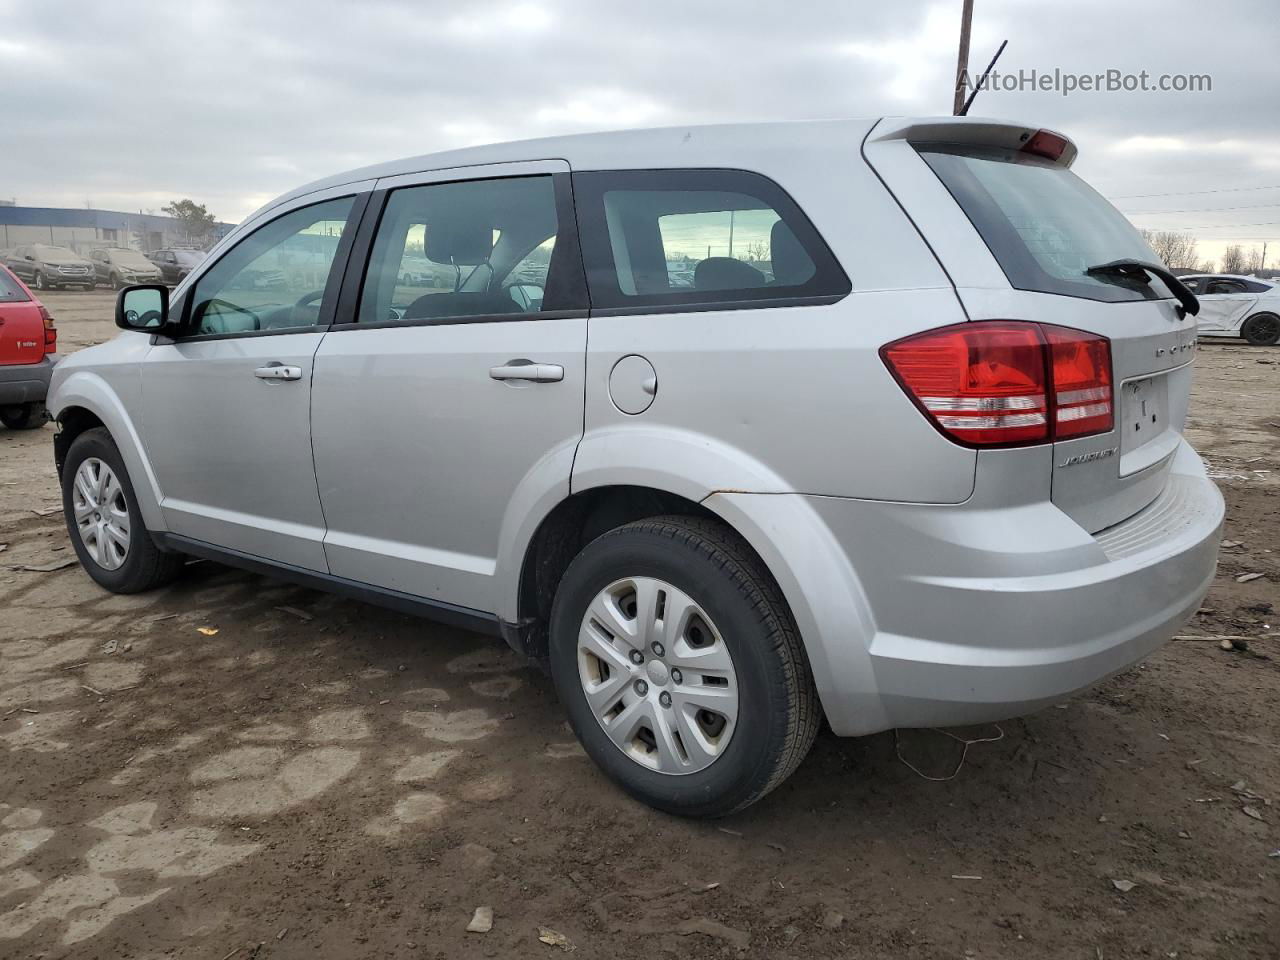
927, 468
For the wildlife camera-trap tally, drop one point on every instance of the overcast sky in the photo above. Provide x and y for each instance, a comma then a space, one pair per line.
130, 104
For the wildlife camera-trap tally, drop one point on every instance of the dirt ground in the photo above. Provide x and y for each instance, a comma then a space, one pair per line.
320, 778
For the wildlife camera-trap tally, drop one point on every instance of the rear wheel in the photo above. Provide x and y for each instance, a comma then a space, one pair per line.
1261, 330
680, 667
23, 416
104, 522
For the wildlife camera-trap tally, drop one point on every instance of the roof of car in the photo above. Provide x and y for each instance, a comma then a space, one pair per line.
1225, 276
725, 144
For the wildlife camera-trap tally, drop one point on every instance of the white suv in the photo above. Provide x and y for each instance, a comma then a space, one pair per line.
737, 427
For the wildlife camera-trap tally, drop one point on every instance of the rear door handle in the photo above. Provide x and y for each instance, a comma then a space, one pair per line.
278, 371
528, 370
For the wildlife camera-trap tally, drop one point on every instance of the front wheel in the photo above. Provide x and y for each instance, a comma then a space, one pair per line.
40, 282
23, 416
104, 521
680, 667
1261, 330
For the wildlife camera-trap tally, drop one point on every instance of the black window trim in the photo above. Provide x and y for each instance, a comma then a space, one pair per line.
611, 302
568, 246
328, 301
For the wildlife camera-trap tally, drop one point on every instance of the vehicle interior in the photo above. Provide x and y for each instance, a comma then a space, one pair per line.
666, 240
488, 245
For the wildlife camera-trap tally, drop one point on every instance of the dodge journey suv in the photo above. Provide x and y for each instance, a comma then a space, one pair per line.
737, 428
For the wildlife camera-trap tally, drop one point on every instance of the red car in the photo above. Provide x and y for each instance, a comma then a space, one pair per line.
28, 345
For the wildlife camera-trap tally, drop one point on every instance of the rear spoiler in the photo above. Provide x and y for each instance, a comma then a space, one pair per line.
975, 131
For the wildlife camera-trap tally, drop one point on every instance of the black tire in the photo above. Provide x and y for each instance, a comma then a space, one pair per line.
23, 416
145, 566
39, 281
1261, 330
778, 709
116, 282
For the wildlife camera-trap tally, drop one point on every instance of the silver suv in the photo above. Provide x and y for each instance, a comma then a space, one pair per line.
735, 427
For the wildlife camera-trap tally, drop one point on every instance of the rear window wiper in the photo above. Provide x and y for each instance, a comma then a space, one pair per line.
1138, 269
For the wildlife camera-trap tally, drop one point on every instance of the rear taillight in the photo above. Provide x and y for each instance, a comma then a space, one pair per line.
50, 331
1006, 383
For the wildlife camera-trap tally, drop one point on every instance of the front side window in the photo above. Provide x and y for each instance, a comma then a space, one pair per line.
670, 238
276, 277
452, 252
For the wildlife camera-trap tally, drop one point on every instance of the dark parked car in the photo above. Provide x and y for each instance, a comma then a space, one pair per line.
121, 267
46, 267
175, 264
28, 342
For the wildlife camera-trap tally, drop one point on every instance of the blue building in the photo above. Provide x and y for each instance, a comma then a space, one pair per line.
85, 230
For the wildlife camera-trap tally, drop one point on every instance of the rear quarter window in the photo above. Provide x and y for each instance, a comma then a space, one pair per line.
672, 240
10, 292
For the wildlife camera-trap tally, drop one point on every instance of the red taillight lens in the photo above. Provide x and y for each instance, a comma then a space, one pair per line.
1081, 369
1007, 383
50, 331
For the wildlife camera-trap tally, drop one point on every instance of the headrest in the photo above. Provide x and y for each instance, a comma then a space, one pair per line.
726, 273
465, 243
791, 264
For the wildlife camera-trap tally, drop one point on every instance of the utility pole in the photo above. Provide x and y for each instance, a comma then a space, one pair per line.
962, 61
1263, 265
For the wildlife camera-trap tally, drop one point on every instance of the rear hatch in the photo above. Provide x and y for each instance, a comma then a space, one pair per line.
1019, 233
21, 324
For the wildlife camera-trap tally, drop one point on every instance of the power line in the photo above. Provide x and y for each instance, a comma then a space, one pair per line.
1250, 206
1193, 193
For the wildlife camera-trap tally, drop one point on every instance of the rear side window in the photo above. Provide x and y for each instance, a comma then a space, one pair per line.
473, 250
10, 292
1043, 224
664, 240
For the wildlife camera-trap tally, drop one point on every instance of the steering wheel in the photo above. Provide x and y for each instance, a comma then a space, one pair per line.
151, 316
308, 299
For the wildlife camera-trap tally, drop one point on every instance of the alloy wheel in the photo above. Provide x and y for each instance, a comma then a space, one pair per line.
658, 676
101, 513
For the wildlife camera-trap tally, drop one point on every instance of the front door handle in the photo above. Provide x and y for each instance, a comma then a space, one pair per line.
278, 371
528, 370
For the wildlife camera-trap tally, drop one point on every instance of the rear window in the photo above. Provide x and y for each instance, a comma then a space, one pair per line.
10, 292
669, 240
1043, 224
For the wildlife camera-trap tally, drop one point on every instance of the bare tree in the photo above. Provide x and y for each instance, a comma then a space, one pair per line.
1253, 260
1233, 259
1177, 250
756, 252
1207, 266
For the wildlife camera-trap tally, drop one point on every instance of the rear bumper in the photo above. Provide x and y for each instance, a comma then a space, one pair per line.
983, 614
26, 382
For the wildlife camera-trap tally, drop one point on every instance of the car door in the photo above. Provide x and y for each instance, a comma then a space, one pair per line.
22, 264
227, 404
101, 265
1224, 305
443, 409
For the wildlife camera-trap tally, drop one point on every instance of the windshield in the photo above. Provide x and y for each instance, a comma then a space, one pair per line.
1044, 225
53, 254
188, 258
10, 292
129, 258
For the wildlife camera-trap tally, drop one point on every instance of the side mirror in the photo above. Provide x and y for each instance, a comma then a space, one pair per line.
144, 307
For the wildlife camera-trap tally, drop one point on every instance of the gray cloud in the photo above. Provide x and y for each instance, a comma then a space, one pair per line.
131, 104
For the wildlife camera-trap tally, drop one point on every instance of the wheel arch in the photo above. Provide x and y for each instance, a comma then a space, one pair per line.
1254, 316
567, 527
84, 401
